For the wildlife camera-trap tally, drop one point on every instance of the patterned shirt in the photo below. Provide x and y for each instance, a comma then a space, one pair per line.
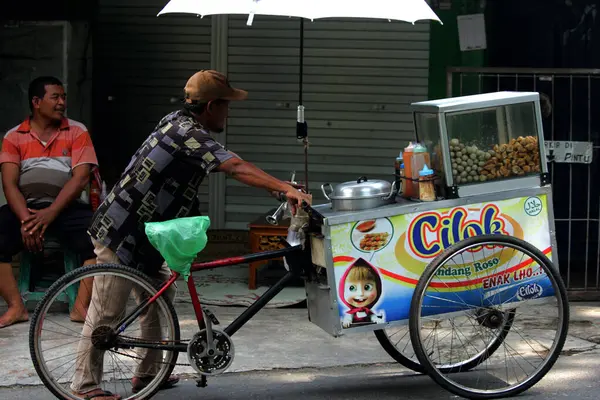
46, 167
160, 183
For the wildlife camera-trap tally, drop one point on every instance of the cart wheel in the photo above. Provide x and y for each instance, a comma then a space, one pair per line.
494, 304
397, 343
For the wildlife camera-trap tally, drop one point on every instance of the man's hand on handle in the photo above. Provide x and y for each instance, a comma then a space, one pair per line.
295, 199
296, 185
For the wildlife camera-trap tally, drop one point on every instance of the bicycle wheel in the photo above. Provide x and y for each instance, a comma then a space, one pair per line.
55, 340
493, 286
397, 343
401, 349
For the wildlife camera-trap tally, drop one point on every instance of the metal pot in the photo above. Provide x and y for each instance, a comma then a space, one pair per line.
361, 194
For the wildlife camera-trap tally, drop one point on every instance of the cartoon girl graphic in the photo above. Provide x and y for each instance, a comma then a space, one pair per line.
360, 290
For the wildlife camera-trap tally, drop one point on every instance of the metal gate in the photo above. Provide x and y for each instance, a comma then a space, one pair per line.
570, 100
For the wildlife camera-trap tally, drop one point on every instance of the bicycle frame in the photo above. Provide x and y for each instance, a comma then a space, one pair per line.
296, 269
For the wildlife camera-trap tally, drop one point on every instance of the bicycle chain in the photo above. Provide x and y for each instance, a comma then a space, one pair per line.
149, 342
140, 358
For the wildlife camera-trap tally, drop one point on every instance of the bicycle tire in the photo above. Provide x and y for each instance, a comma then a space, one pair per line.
548, 267
393, 352
80, 273
388, 346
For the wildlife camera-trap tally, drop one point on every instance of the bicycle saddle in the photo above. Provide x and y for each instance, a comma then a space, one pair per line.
179, 240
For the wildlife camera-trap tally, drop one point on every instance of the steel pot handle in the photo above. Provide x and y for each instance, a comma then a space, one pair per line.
361, 179
392, 192
324, 192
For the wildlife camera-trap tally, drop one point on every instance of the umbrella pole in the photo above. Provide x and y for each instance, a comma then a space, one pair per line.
301, 59
301, 126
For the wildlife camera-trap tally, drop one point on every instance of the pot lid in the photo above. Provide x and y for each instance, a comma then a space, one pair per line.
361, 188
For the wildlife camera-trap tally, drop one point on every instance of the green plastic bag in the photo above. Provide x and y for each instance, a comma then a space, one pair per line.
179, 241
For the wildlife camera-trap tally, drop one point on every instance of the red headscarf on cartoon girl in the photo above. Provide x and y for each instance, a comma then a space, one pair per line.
360, 290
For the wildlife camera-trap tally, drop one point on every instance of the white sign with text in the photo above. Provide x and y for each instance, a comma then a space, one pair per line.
561, 151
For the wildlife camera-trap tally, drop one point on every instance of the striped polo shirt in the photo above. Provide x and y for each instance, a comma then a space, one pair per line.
46, 167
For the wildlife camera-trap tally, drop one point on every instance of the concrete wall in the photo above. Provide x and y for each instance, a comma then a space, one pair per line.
80, 73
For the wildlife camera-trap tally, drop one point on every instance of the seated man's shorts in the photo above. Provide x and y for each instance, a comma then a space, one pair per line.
70, 228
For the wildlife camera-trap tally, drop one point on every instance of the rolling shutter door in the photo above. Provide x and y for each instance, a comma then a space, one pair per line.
142, 63
263, 59
359, 80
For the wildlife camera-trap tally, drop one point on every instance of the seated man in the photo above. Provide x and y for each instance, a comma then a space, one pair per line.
45, 164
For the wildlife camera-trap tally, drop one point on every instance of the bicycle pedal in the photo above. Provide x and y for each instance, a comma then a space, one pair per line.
201, 382
211, 316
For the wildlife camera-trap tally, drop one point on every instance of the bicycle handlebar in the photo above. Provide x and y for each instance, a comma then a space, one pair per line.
274, 218
283, 199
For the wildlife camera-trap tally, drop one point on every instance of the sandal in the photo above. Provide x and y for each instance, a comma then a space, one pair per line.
101, 393
140, 383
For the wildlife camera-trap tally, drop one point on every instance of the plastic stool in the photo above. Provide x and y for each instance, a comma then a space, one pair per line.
27, 286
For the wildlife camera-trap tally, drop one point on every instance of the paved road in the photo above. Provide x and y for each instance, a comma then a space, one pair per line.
575, 377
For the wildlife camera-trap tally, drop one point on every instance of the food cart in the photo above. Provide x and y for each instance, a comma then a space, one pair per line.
465, 263
490, 178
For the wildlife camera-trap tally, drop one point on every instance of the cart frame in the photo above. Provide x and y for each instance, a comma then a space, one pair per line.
323, 302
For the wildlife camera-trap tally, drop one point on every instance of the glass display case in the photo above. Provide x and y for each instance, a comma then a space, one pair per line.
479, 143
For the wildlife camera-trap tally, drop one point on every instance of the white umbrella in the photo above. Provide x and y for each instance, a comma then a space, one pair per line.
401, 10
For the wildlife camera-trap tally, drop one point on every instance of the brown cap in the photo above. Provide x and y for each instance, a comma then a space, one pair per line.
207, 85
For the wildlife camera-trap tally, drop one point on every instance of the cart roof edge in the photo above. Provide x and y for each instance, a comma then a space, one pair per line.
476, 101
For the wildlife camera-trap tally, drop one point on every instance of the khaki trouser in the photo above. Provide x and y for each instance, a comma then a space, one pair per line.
108, 304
